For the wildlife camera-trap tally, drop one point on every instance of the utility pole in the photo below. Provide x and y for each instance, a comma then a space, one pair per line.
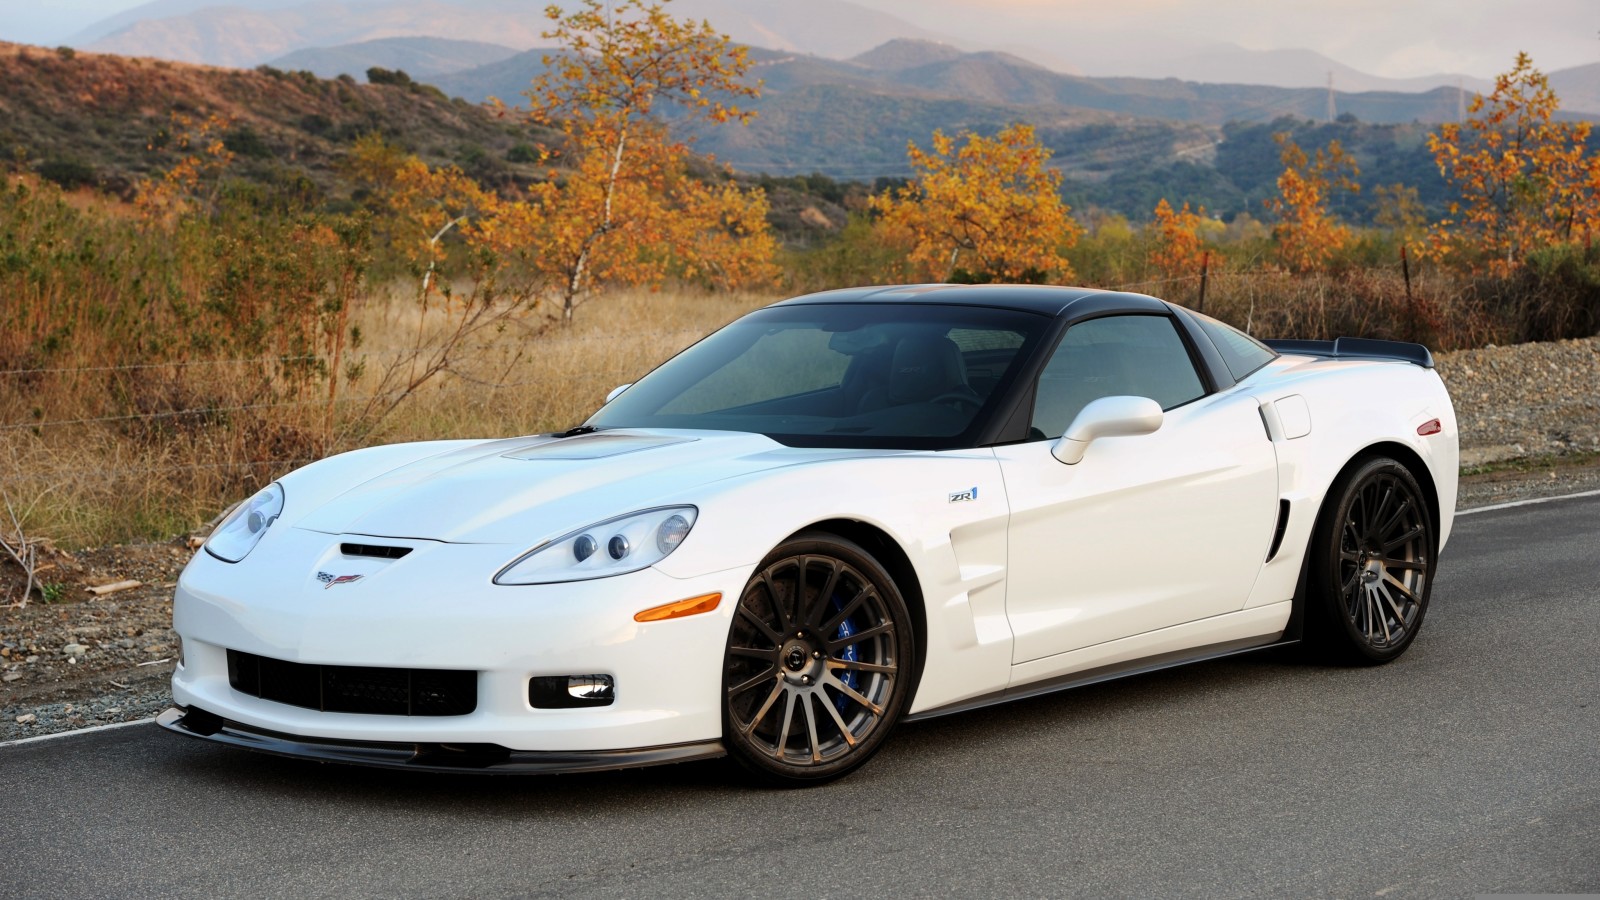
1461, 100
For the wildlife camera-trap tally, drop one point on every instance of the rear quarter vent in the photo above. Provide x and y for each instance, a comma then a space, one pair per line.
1277, 532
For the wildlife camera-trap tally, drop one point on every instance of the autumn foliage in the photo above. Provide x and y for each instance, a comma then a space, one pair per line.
617, 205
1306, 232
624, 209
1177, 250
1523, 177
990, 210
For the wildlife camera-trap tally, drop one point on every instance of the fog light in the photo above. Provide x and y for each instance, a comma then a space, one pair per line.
571, 691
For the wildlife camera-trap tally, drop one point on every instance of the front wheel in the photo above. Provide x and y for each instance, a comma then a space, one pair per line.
817, 663
1372, 560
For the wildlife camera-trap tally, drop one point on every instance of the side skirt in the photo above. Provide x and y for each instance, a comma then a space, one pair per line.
1111, 672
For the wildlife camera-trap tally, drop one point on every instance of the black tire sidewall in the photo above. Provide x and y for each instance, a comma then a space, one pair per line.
767, 770
1331, 631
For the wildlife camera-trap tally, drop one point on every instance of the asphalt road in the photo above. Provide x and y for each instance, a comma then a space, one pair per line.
1471, 766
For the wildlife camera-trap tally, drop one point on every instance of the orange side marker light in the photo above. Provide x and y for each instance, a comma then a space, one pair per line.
693, 606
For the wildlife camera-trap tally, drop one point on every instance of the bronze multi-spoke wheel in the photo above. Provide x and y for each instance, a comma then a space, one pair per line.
1371, 565
817, 662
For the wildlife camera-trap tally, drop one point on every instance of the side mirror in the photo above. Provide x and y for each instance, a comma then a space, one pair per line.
1107, 417
617, 390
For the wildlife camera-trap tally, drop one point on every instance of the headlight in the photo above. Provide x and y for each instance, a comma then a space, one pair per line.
613, 547
242, 529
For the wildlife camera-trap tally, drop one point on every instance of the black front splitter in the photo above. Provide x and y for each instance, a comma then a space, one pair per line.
480, 758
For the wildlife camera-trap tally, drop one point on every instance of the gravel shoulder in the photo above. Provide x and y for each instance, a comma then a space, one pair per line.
1530, 427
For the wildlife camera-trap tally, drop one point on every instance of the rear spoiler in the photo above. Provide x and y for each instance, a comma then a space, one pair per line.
1357, 348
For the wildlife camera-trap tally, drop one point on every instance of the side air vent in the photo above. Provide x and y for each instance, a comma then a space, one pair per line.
374, 550
1277, 533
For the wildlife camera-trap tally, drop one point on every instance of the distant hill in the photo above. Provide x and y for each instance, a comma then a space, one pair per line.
256, 31
91, 118
1122, 143
906, 53
421, 58
246, 33
1578, 88
1290, 67
852, 118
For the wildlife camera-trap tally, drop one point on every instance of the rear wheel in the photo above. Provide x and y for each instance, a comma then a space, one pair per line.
815, 673
1372, 562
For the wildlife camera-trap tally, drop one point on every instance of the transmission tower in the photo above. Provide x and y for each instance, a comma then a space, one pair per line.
1331, 111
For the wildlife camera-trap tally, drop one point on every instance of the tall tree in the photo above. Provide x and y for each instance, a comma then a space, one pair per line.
1306, 232
988, 211
1176, 252
623, 202
1522, 176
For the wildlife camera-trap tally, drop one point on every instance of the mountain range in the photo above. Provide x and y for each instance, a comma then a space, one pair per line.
246, 33
853, 117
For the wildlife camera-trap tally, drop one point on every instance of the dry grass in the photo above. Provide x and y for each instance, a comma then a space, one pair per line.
123, 479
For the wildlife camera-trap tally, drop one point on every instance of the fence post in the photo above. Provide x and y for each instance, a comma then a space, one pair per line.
1205, 267
1411, 304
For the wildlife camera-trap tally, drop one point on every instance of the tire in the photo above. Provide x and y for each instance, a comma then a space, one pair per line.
1371, 565
812, 690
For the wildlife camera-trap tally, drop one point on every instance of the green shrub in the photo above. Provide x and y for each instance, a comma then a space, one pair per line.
69, 173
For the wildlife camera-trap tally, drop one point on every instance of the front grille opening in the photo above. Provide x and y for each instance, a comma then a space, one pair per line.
355, 689
378, 551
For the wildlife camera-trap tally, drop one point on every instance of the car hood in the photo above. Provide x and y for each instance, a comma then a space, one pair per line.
526, 490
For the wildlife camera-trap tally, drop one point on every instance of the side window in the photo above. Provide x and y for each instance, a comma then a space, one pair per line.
1141, 356
1242, 353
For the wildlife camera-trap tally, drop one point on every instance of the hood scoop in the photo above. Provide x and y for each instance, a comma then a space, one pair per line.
595, 446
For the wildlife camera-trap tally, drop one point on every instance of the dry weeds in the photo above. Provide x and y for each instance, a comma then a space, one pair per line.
203, 435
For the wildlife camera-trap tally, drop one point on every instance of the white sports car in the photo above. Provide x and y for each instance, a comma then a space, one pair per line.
837, 512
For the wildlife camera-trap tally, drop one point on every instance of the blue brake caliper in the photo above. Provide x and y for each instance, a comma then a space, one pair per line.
850, 653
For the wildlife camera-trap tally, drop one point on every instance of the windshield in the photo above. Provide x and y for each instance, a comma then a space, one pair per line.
848, 375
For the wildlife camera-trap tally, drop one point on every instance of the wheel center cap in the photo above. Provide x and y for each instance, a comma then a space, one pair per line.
795, 658
1372, 568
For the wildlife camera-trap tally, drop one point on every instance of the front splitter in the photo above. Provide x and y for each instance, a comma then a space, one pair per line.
425, 757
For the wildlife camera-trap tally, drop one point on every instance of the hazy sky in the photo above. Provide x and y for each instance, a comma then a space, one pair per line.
53, 21
1395, 38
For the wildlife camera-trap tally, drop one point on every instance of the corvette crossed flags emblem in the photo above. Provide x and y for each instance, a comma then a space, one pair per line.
329, 580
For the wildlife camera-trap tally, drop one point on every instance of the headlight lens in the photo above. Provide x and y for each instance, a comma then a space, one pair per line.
613, 547
242, 530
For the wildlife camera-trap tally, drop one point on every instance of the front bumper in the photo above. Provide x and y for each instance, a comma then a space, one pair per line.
486, 758
422, 613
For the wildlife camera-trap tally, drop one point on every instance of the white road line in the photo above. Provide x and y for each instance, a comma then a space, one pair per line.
1514, 503
61, 734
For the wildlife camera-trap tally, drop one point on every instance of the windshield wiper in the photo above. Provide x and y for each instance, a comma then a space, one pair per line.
581, 429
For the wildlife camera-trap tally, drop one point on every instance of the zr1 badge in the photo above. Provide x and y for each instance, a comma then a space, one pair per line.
970, 493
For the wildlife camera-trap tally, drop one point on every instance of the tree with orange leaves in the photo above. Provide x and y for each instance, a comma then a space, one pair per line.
1177, 251
193, 180
1307, 234
1523, 178
623, 207
988, 211
422, 204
